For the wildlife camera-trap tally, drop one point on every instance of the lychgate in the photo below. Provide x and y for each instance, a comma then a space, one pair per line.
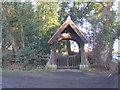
68, 31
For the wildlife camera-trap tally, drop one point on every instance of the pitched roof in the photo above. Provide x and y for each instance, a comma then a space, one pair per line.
62, 28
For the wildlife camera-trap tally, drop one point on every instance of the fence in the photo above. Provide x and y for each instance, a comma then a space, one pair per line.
9, 62
63, 61
68, 61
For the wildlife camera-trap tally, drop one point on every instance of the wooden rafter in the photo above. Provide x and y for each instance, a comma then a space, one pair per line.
58, 34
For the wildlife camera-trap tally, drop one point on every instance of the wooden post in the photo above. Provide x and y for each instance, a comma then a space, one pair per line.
67, 62
82, 53
84, 63
52, 55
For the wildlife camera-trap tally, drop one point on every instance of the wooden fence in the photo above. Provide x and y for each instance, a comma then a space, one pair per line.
63, 61
69, 61
12, 64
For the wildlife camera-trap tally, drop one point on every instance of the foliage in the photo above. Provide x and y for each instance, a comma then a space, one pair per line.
27, 27
100, 23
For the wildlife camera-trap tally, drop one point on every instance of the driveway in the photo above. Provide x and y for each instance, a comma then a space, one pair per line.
58, 79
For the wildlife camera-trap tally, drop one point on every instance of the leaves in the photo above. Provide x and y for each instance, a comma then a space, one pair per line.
27, 27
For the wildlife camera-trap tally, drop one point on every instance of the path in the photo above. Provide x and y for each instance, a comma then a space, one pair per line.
58, 79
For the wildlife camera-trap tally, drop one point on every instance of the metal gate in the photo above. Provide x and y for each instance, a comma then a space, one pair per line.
68, 61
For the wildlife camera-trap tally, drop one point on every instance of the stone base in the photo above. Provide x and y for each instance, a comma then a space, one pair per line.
84, 67
51, 67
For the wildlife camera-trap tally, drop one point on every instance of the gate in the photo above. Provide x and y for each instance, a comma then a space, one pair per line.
68, 62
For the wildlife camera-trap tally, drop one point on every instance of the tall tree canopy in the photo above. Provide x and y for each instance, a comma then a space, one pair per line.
27, 27
100, 23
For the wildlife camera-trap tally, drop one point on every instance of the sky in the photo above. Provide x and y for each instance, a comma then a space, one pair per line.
115, 46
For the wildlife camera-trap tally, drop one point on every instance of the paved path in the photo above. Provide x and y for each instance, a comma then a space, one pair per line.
58, 79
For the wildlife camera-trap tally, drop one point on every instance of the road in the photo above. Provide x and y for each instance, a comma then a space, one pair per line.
58, 79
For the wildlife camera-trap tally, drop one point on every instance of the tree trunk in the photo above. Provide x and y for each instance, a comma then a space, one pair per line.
106, 52
68, 47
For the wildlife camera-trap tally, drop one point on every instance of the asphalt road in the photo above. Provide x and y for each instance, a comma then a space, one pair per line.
58, 79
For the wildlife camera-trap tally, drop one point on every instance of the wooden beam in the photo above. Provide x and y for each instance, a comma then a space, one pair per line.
70, 23
64, 36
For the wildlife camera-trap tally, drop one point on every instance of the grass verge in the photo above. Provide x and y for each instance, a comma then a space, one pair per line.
34, 70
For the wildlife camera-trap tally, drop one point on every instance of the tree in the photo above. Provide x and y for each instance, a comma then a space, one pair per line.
14, 23
101, 31
27, 28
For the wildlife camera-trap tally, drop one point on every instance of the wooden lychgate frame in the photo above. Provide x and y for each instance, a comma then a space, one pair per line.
73, 33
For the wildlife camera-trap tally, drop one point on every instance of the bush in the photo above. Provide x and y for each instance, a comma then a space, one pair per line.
25, 57
91, 57
50, 67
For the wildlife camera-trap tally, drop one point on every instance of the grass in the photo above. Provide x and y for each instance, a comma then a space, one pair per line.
43, 70
15, 71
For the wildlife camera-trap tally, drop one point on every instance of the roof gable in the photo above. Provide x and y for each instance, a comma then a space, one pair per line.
62, 28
